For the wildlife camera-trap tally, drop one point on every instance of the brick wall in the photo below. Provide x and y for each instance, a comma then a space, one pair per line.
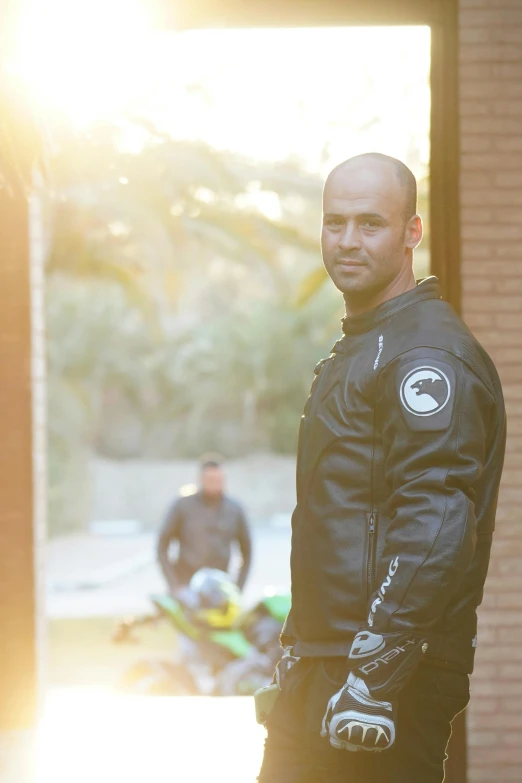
19, 368
491, 203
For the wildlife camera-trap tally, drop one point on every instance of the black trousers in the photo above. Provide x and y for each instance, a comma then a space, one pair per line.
296, 753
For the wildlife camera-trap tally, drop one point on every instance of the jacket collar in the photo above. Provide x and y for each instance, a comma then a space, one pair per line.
212, 502
429, 288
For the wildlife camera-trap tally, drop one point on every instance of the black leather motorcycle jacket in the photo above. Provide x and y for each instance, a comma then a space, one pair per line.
206, 531
400, 455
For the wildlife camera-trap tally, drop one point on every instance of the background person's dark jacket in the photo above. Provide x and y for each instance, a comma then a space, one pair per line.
206, 531
400, 454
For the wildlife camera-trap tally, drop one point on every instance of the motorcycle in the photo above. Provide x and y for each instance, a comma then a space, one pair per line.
233, 661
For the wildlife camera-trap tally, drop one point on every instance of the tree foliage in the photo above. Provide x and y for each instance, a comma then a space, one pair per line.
173, 324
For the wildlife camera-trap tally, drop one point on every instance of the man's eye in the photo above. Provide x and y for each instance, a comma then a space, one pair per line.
371, 223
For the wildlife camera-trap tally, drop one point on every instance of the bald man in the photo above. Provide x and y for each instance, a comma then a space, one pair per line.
400, 455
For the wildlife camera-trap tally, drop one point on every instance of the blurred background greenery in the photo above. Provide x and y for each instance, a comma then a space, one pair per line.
186, 300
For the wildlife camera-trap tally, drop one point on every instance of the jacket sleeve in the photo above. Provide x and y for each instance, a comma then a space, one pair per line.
434, 414
245, 546
170, 531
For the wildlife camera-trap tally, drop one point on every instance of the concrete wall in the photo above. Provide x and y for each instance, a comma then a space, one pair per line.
136, 489
491, 204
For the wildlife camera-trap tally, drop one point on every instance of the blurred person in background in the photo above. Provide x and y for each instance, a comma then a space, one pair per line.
205, 525
400, 456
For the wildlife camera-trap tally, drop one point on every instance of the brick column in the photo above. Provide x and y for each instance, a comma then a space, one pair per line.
491, 202
22, 481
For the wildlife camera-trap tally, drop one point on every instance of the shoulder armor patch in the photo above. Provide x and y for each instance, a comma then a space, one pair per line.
426, 391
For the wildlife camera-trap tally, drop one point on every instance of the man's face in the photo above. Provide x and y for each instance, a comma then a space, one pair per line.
212, 481
365, 240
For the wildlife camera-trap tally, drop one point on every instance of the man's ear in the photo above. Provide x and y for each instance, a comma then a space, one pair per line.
413, 233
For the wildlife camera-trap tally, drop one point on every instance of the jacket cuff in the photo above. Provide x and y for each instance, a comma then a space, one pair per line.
386, 661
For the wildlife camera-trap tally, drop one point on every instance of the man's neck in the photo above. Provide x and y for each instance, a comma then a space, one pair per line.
212, 499
358, 305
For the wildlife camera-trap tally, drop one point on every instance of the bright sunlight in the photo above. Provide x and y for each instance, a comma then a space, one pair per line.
317, 95
82, 59
96, 736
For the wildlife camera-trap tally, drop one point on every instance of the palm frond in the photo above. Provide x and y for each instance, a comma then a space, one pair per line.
310, 285
89, 264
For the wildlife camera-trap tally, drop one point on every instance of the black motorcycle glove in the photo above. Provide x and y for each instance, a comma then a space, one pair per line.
360, 716
287, 661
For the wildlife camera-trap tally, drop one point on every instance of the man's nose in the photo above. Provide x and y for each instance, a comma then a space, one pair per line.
350, 238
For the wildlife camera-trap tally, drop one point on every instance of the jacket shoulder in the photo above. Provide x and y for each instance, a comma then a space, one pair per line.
186, 500
435, 324
233, 505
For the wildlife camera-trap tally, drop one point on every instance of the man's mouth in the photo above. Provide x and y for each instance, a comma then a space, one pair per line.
349, 262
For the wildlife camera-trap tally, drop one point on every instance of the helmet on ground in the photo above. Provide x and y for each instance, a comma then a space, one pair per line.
218, 598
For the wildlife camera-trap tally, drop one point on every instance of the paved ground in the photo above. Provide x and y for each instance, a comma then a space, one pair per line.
80, 562
89, 576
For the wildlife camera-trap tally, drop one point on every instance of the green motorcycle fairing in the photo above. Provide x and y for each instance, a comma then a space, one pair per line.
175, 612
278, 605
232, 640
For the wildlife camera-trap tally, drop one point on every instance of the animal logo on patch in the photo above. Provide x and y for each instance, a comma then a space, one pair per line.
435, 387
425, 391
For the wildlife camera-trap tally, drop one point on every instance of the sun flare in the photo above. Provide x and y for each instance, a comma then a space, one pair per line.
80, 58
258, 92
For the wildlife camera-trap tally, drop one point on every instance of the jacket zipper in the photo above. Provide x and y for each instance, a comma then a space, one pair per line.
372, 519
369, 562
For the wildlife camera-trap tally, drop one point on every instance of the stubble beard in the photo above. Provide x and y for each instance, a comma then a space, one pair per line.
365, 296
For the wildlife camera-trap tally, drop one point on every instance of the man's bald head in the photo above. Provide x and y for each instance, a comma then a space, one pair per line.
370, 227
405, 177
